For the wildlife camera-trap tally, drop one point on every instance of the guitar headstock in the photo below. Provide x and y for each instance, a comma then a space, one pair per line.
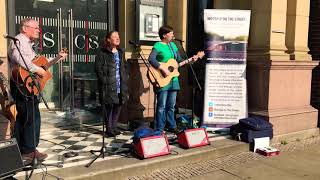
200, 54
63, 53
64, 50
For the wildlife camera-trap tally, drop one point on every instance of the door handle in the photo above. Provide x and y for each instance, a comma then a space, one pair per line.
60, 70
71, 24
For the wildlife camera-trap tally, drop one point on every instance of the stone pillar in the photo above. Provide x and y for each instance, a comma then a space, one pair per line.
278, 88
297, 29
267, 30
137, 107
231, 4
4, 122
127, 23
141, 102
177, 18
222, 4
3, 41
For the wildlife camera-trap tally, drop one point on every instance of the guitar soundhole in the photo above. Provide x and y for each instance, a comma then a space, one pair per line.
171, 68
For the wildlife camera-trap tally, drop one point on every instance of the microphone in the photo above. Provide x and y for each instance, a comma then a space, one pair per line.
134, 44
174, 38
10, 37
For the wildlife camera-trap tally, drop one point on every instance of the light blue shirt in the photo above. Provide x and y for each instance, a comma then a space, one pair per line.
25, 46
117, 61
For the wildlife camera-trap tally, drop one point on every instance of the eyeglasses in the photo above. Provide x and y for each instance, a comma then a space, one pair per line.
32, 27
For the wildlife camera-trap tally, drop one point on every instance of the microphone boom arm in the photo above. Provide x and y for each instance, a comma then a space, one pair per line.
137, 46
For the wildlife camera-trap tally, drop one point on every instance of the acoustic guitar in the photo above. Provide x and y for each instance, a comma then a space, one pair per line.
158, 79
7, 102
22, 77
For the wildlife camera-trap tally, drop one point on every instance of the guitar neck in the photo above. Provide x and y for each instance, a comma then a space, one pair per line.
185, 62
52, 62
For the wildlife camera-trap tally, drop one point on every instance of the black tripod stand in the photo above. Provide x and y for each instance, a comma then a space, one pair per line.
156, 83
103, 146
194, 78
33, 84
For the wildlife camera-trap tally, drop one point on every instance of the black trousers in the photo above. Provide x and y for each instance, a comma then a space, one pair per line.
28, 120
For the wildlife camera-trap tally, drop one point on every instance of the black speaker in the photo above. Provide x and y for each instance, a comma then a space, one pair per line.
10, 156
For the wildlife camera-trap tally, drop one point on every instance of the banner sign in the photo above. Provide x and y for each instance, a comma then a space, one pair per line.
226, 38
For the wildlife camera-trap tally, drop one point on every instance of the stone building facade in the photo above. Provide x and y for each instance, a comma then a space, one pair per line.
282, 54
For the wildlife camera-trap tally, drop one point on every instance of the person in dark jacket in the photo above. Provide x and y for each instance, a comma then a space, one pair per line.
110, 68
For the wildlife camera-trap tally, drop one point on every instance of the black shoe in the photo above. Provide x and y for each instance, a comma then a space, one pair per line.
110, 134
175, 130
116, 132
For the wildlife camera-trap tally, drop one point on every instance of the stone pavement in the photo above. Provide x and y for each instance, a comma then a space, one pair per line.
297, 160
80, 132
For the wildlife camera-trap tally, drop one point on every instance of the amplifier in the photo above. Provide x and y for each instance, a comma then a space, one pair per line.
193, 138
152, 146
10, 156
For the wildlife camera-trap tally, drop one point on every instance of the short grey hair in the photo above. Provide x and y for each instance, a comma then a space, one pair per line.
24, 22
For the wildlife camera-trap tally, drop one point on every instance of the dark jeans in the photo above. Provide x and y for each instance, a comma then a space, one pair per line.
27, 126
112, 116
166, 101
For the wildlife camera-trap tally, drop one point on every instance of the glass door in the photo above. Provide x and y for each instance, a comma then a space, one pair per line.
80, 26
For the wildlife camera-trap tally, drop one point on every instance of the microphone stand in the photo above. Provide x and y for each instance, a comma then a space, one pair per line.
138, 47
194, 78
103, 148
34, 83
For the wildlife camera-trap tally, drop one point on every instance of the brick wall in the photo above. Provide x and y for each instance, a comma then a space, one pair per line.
314, 46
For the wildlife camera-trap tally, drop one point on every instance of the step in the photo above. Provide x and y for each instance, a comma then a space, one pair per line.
122, 168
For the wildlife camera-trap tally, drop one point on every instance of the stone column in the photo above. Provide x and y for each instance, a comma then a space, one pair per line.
3, 41
278, 88
222, 4
297, 29
177, 18
4, 122
267, 30
140, 104
232, 4
140, 107
141, 100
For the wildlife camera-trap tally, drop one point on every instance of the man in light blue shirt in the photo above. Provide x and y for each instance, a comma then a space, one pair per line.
28, 120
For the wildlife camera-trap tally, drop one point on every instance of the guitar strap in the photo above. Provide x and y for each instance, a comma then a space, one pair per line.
172, 51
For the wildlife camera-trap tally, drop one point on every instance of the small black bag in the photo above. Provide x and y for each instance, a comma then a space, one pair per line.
249, 128
255, 123
248, 135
